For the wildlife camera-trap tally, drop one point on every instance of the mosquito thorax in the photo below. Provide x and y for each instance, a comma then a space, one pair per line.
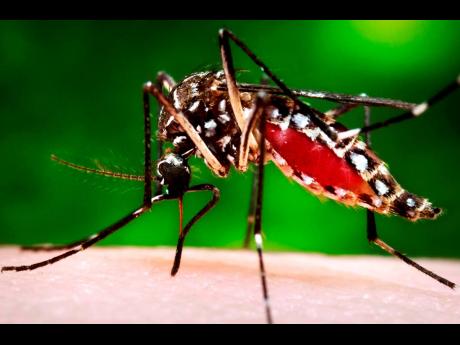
174, 173
202, 97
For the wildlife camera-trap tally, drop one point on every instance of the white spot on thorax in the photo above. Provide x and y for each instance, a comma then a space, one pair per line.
198, 129
171, 119
194, 106
222, 105
210, 127
300, 120
194, 89
177, 103
410, 202
381, 187
224, 118
224, 142
179, 139
359, 161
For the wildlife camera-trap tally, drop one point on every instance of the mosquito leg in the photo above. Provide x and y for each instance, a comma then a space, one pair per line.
251, 213
417, 110
211, 160
233, 93
258, 213
340, 110
315, 115
372, 235
91, 240
243, 160
200, 214
147, 203
164, 81
330, 96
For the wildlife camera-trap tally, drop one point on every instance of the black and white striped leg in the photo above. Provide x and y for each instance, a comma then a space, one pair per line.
372, 234
416, 111
180, 243
91, 240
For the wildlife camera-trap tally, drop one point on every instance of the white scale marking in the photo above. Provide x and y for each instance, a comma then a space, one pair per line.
382, 188
420, 109
258, 240
307, 179
359, 161
410, 202
285, 123
138, 212
194, 106
224, 118
171, 119
179, 139
176, 100
222, 105
300, 120
211, 124
313, 133
194, 89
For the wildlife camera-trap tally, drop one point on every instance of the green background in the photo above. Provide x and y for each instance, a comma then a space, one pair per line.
74, 88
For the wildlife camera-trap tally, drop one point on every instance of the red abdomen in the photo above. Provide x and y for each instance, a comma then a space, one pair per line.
315, 160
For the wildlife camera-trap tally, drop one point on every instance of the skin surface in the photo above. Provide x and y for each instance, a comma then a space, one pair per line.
133, 285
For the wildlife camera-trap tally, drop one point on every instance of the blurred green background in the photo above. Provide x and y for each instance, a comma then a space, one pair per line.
73, 88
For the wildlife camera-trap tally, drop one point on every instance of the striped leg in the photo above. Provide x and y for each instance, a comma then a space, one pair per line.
372, 235
91, 240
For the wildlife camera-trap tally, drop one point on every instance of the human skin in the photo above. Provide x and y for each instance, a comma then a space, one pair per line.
133, 285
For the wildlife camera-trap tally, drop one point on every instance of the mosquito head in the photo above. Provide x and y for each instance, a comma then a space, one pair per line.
174, 173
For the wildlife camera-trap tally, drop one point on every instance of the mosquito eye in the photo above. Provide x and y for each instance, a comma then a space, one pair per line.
175, 174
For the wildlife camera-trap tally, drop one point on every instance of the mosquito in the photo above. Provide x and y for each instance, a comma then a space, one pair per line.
229, 124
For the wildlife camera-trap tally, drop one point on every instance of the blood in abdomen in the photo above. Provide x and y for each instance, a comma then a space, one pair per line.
315, 160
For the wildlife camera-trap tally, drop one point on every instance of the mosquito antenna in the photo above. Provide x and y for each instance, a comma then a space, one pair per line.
101, 172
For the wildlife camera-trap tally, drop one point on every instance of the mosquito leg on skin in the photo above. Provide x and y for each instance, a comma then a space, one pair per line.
258, 213
91, 240
417, 110
372, 235
180, 243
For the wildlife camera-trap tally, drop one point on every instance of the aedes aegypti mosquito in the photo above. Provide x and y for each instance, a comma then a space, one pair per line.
210, 115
